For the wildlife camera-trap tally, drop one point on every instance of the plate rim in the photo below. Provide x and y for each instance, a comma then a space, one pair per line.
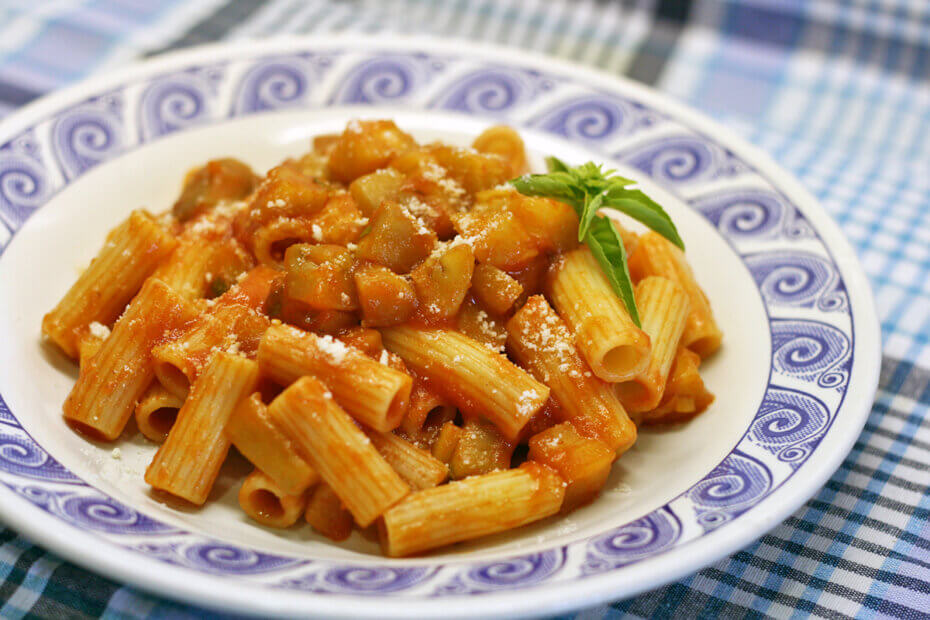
124, 566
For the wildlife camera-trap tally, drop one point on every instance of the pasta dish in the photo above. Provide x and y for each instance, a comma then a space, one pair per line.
418, 341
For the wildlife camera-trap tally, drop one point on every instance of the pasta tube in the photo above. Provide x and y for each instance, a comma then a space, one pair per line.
187, 464
114, 379
540, 340
157, 412
326, 514
471, 508
199, 266
608, 339
336, 448
423, 401
231, 323
656, 256
132, 251
664, 308
685, 395
477, 380
416, 466
267, 503
266, 447
372, 393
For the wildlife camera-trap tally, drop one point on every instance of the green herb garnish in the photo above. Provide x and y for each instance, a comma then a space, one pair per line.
588, 188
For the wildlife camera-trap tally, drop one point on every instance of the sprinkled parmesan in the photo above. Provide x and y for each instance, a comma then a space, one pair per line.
421, 228
333, 348
419, 208
525, 402
345, 299
385, 358
317, 232
99, 330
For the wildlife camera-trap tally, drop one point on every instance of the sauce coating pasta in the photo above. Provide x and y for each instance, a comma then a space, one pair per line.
395, 337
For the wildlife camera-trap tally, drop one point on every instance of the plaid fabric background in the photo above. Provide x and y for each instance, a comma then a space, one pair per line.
838, 92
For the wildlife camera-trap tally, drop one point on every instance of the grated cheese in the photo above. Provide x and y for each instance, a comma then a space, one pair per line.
99, 330
333, 348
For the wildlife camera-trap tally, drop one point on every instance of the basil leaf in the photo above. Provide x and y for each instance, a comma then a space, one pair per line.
556, 165
553, 185
641, 207
607, 247
587, 215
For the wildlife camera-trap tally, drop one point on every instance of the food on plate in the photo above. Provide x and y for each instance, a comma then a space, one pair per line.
418, 339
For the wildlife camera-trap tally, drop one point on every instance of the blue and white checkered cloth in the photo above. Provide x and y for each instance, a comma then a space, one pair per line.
838, 92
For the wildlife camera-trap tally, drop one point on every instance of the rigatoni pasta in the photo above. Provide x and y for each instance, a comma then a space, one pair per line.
114, 379
475, 379
187, 464
470, 508
336, 448
157, 412
266, 502
655, 256
540, 340
664, 308
401, 338
131, 252
375, 393
614, 347
250, 429
416, 466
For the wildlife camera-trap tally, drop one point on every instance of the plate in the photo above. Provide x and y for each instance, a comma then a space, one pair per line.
794, 380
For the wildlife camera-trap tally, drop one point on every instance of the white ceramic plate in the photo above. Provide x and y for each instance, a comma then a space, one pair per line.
794, 380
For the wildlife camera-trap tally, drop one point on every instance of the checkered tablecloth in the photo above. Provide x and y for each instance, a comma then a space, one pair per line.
838, 92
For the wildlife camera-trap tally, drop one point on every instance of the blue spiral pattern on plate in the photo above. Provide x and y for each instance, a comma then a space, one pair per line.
89, 134
20, 455
789, 424
373, 579
369, 580
217, 558
24, 180
594, 118
282, 82
754, 214
682, 160
387, 79
89, 509
509, 574
811, 351
800, 279
41, 160
490, 91
733, 486
176, 102
645, 537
